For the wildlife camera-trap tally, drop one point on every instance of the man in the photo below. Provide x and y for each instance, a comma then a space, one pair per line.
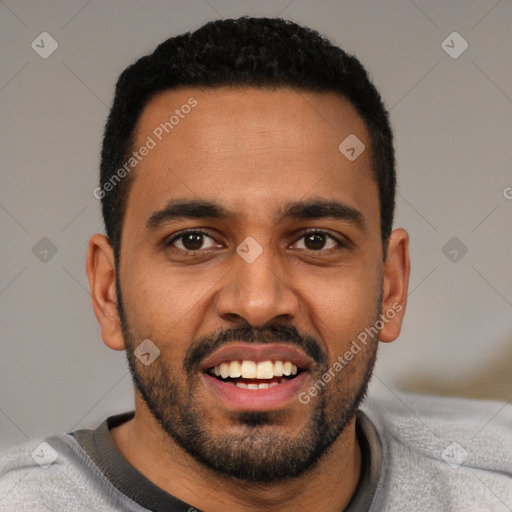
249, 271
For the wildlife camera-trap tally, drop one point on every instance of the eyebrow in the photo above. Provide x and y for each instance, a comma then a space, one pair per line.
312, 209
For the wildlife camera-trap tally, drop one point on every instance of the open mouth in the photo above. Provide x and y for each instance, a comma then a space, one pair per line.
248, 374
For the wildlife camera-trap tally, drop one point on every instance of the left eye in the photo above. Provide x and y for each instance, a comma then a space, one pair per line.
314, 239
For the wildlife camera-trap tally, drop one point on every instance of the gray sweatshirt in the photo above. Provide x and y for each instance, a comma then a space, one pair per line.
419, 453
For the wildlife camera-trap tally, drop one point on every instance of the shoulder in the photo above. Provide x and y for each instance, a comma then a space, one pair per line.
26, 471
443, 452
51, 474
418, 420
36, 475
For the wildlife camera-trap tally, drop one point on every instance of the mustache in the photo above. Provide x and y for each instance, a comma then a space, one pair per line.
275, 333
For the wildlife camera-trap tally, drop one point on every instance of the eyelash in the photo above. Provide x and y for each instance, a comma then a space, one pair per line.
341, 244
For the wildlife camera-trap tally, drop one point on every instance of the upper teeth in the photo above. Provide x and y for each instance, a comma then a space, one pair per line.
254, 370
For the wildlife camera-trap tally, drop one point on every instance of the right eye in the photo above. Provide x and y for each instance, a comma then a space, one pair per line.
190, 241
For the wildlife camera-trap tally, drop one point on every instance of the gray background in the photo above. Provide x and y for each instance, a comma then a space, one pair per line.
452, 120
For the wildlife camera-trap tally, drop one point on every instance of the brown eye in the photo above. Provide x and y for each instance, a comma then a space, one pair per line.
316, 241
190, 241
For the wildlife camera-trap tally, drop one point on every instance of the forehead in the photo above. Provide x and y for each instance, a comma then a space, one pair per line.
242, 118
249, 148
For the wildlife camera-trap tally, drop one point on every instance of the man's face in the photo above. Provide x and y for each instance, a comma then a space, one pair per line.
257, 285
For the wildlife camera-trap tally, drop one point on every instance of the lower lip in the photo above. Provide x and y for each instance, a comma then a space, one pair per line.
240, 399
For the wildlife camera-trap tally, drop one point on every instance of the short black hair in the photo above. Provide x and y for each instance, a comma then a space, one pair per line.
243, 52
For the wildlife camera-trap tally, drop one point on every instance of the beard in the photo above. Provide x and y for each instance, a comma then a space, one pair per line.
258, 449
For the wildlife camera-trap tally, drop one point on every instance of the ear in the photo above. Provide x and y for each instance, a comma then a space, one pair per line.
100, 266
395, 284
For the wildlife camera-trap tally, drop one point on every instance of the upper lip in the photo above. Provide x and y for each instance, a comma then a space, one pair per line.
259, 352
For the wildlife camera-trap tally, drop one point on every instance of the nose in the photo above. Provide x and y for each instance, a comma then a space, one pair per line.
257, 292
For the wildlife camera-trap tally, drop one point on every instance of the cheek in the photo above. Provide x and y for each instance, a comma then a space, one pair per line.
156, 302
343, 305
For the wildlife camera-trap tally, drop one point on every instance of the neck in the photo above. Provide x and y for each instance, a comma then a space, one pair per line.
328, 486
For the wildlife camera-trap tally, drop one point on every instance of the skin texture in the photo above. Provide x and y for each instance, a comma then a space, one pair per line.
252, 150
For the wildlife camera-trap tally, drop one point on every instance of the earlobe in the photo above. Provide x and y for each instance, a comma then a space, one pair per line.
100, 267
395, 284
